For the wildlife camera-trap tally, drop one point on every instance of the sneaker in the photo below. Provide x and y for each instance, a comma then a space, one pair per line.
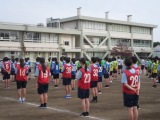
110, 81
87, 114
41, 106
154, 86
23, 100
69, 96
20, 100
73, 88
107, 86
45, 106
82, 114
99, 92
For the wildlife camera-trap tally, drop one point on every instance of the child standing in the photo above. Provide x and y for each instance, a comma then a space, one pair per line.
154, 72
74, 69
94, 79
6, 66
56, 73
66, 72
21, 79
84, 78
131, 85
100, 74
106, 72
42, 74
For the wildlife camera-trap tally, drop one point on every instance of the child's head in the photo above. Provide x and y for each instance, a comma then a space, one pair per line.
73, 60
67, 59
106, 58
128, 62
37, 59
134, 60
83, 63
93, 59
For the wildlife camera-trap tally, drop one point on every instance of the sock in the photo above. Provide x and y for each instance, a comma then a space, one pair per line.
23, 99
20, 99
45, 104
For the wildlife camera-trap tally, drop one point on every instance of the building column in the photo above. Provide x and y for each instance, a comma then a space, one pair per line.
109, 39
60, 46
81, 43
21, 39
132, 49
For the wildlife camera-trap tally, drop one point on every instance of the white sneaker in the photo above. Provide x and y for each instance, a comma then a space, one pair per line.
20, 100
110, 81
99, 92
23, 100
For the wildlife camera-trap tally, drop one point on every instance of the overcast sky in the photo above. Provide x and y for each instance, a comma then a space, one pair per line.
36, 11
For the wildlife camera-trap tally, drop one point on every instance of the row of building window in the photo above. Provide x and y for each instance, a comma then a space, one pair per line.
119, 28
94, 25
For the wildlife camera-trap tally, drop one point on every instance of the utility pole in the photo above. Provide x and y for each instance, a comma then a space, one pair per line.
23, 49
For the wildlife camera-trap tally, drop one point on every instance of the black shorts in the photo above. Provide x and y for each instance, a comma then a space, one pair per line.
42, 88
66, 81
130, 100
94, 84
111, 73
154, 75
114, 71
149, 70
83, 94
6, 76
146, 68
21, 84
56, 76
73, 77
12, 72
119, 66
106, 76
99, 79
29, 70
142, 67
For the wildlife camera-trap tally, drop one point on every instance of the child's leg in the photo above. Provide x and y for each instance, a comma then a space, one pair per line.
87, 103
66, 88
8, 83
41, 99
130, 113
45, 95
69, 89
19, 93
5, 83
24, 92
95, 91
83, 104
135, 113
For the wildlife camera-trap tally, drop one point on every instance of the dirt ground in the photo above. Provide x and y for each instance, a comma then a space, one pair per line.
109, 106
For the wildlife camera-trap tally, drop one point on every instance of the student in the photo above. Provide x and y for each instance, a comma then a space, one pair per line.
36, 64
110, 70
142, 65
154, 72
66, 72
42, 74
74, 69
6, 71
119, 65
100, 74
61, 66
150, 68
27, 64
137, 68
115, 67
21, 78
52, 68
29, 71
131, 85
49, 62
13, 70
84, 78
158, 70
146, 66
56, 73
94, 79
106, 72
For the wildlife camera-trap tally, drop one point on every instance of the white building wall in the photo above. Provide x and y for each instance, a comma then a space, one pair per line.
142, 36
120, 35
71, 25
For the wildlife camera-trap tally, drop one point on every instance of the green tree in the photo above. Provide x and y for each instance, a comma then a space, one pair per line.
155, 44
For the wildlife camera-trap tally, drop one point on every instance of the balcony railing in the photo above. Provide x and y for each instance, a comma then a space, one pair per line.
9, 39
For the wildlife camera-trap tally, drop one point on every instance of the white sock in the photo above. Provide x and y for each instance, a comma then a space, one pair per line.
20, 99
23, 99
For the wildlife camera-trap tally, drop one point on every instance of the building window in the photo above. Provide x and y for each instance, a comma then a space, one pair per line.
119, 28
141, 30
66, 43
141, 43
94, 25
118, 41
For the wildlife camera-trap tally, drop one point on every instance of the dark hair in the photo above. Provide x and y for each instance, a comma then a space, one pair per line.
22, 63
42, 61
93, 59
61, 58
37, 59
99, 61
154, 60
109, 60
117, 57
128, 62
49, 59
26, 59
67, 59
5, 59
53, 59
13, 60
16, 59
106, 58
83, 61
134, 59
56, 60
73, 60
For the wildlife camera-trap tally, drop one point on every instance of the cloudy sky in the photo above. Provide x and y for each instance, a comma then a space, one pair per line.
36, 11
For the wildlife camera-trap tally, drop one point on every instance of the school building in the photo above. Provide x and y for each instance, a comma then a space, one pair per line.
75, 36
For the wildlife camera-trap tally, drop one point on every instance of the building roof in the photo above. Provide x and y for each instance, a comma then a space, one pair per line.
107, 21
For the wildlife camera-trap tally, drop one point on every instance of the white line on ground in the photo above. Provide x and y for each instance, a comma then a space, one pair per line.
51, 108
